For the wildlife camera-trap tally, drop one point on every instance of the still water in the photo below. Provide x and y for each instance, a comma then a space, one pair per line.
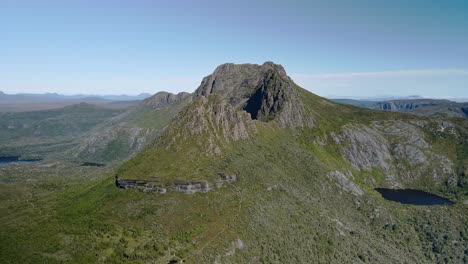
409, 196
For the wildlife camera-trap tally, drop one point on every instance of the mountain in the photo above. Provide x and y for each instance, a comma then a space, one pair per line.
422, 107
250, 168
280, 174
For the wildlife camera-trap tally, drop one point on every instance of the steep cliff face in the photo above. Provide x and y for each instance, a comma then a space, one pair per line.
399, 150
264, 91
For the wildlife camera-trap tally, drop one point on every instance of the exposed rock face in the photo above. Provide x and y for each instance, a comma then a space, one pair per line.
163, 99
210, 124
190, 187
234, 81
264, 91
367, 148
224, 178
398, 149
407, 105
345, 183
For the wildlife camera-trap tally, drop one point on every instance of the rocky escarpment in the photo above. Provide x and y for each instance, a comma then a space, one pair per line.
407, 105
399, 150
187, 187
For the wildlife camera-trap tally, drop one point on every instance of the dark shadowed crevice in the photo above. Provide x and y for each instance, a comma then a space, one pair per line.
254, 104
268, 99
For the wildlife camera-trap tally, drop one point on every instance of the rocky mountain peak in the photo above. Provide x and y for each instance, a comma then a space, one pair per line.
237, 80
263, 91
162, 99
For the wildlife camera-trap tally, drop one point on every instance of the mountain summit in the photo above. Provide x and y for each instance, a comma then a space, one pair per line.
264, 91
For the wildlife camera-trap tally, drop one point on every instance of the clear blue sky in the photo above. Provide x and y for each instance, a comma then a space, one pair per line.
349, 48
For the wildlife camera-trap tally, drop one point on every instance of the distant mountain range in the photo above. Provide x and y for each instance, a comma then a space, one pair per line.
56, 96
391, 98
419, 106
31, 102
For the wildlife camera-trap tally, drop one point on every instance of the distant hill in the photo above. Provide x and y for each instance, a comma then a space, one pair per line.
56, 96
24, 102
422, 107
360, 103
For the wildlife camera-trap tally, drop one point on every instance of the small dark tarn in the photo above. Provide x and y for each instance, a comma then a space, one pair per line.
16, 159
415, 197
92, 164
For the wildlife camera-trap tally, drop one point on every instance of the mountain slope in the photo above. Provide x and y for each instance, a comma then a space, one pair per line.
129, 133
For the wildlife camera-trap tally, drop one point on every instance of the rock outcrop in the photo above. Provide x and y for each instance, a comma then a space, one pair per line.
163, 99
345, 183
398, 149
187, 187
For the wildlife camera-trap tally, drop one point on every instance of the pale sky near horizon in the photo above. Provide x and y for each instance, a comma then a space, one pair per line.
332, 48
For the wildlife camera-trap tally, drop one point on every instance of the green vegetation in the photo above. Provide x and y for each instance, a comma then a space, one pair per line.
65, 122
46, 132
